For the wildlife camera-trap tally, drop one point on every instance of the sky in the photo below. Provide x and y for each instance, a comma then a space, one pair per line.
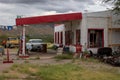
10, 9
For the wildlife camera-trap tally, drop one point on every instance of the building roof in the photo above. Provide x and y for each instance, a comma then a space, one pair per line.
48, 18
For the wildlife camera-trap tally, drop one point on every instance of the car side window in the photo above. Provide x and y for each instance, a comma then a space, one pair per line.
29, 41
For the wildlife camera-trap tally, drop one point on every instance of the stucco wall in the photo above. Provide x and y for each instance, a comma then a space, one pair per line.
94, 20
68, 25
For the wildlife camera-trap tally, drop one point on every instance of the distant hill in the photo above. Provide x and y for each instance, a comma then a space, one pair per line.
30, 30
33, 31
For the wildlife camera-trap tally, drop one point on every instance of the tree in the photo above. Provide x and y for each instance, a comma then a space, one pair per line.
116, 8
116, 4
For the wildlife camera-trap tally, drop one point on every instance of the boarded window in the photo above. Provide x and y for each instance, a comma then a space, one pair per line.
55, 38
95, 38
61, 41
68, 39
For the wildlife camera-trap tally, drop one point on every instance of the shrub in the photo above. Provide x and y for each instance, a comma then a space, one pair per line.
104, 51
5, 71
54, 47
63, 56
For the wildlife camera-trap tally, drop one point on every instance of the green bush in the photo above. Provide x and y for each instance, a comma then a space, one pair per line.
3, 37
54, 47
2, 77
5, 71
63, 56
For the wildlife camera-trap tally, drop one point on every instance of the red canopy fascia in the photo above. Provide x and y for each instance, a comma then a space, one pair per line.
48, 19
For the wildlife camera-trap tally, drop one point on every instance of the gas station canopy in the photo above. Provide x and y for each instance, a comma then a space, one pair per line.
48, 19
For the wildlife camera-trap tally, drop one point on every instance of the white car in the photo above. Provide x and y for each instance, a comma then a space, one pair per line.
34, 45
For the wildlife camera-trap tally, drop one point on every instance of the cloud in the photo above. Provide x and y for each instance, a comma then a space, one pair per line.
55, 5
22, 1
41, 1
9, 9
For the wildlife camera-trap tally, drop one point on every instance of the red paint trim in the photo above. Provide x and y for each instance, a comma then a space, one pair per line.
102, 35
78, 36
61, 37
49, 18
58, 37
25, 56
7, 61
103, 38
55, 37
66, 37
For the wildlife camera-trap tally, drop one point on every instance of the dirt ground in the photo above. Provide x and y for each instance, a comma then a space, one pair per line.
44, 58
34, 58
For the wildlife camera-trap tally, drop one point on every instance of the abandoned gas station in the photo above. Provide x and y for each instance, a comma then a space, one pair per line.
90, 30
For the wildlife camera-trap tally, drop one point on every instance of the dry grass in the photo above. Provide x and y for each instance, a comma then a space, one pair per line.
79, 70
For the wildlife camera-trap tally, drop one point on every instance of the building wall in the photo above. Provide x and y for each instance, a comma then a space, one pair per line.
59, 28
100, 20
115, 34
95, 20
73, 26
68, 26
115, 37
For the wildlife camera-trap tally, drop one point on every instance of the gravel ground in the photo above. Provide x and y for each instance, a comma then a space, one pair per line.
47, 58
44, 58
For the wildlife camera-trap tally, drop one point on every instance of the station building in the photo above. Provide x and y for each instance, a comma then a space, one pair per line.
90, 30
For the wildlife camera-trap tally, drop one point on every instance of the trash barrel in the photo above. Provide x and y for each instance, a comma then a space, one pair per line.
78, 48
44, 48
66, 49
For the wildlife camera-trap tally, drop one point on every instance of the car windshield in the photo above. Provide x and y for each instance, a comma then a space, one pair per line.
12, 38
36, 41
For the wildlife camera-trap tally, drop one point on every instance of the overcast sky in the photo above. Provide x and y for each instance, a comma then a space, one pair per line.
9, 9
